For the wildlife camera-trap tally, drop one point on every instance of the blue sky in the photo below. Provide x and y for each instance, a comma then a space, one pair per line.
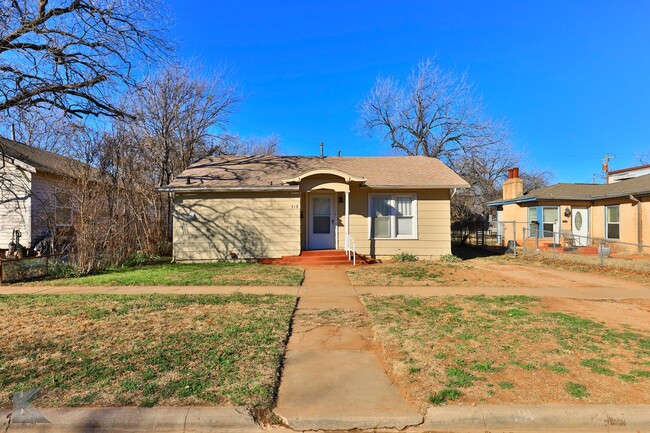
571, 78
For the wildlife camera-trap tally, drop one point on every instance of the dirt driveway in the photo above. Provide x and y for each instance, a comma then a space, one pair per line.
529, 274
506, 275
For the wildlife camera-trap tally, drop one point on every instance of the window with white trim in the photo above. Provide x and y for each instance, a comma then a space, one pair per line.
533, 223
393, 216
612, 222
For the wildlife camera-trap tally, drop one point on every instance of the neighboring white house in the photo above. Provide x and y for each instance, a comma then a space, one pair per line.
627, 173
34, 192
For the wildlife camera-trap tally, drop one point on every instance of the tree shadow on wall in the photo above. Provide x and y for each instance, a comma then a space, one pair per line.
201, 238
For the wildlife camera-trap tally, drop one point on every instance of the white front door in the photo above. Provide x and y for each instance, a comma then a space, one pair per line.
580, 226
321, 222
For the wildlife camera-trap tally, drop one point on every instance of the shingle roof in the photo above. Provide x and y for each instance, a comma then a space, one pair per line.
42, 160
586, 191
270, 171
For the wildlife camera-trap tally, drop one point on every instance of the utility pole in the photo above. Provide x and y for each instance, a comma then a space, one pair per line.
606, 165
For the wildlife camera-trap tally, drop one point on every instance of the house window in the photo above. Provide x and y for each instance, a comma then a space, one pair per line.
533, 223
543, 221
62, 209
613, 222
393, 216
550, 219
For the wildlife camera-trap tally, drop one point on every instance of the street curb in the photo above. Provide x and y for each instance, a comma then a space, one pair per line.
546, 418
349, 423
132, 419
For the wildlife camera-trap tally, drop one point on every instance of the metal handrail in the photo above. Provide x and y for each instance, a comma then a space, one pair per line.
351, 250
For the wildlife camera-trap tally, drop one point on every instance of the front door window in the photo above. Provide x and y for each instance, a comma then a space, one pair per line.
321, 215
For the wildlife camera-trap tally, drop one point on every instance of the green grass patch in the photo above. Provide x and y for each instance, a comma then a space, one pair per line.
190, 274
627, 377
599, 366
457, 377
485, 367
528, 366
506, 385
444, 395
576, 390
143, 350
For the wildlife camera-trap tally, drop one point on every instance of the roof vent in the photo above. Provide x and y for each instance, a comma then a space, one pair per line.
322, 155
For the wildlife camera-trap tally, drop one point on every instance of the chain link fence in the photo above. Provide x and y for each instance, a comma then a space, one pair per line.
28, 268
567, 246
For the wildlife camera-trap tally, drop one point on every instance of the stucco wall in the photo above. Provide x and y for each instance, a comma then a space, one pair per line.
516, 213
629, 218
645, 223
210, 226
629, 229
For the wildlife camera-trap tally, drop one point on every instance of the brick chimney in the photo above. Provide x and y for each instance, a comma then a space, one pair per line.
514, 185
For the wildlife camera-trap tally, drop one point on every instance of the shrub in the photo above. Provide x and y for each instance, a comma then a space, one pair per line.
61, 269
450, 258
141, 259
405, 256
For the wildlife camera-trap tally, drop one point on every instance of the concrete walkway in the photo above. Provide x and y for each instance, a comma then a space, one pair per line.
555, 292
332, 379
136, 290
340, 288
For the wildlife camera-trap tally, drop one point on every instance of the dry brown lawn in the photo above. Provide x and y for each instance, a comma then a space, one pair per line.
497, 271
144, 350
513, 349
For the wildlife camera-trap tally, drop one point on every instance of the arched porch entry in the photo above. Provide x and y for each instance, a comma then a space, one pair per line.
325, 208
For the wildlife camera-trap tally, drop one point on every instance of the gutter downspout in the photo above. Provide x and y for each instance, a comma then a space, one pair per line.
639, 223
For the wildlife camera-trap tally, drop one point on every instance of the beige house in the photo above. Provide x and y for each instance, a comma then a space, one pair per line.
580, 215
35, 196
252, 207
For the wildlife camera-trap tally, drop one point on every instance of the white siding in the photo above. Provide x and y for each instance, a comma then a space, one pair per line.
15, 203
43, 190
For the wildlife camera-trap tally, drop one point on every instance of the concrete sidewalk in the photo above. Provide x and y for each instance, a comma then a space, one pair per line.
574, 292
335, 291
136, 290
332, 379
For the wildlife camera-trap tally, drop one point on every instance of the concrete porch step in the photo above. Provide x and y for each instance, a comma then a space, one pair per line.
316, 257
319, 253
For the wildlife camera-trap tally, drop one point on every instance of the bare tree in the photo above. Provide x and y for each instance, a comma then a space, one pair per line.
48, 129
180, 115
643, 157
236, 145
75, 55
436, 114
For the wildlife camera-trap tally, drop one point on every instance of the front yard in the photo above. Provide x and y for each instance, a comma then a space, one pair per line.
190, 274
531, 271
507, 350
143, 350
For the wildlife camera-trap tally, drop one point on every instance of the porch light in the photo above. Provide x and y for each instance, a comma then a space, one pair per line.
567, 212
